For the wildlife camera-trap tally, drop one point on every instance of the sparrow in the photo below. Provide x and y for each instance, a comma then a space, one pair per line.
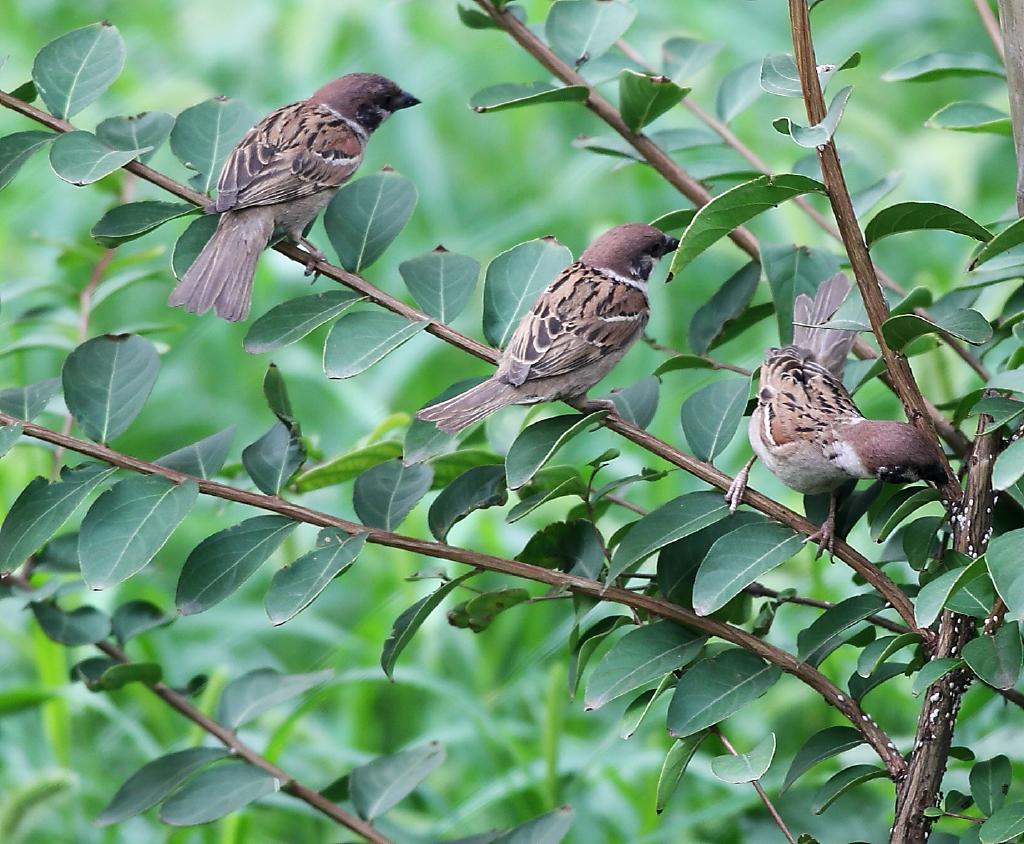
576, 331
277, 179
806, 428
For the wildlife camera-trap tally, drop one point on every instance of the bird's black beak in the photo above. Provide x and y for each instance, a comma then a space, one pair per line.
405, 100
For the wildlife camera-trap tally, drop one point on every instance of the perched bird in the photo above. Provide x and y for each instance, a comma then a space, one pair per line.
278, 178
577, 330
806, 428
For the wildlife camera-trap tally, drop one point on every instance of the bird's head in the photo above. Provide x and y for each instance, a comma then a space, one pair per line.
366, 98
631, 250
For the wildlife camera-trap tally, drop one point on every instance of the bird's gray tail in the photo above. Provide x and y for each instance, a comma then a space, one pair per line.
471, 406
221, 276
829, 346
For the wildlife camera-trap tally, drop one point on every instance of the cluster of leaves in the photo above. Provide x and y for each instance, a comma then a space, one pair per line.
705, 560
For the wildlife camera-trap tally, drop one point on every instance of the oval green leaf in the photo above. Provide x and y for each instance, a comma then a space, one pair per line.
292, 320
18, 148
511, 95
147, 130
442, 282
942, 65
74, 70
644, 97
672, 769
842, 782
1003, 561
133, 618
538, 442
217, 792
971, 117
582, 30
546, 829
274, 458
963, 323
366, 215
384, 495
745, 767
917, 216
1011, 236
82, 626
127, 222
990, 782
933, 671
479, 488
821, 746
935, 593
378, 785
814, 643
202, 459
245, 699
997, 659
1004, 825
357, 341
81, 158
711, 416
347, 466
204, 134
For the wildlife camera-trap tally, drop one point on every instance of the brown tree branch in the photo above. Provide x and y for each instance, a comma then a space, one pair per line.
853, 239
832, 694
240, 749
860, 564
1011, 17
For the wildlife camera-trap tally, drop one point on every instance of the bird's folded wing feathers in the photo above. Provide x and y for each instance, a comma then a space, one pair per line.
581, 317
294, 152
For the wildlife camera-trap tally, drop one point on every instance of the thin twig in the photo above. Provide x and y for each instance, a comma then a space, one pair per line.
712, 362
832, 694
760, 591
238, 748
781, 824
991, 26
853, 239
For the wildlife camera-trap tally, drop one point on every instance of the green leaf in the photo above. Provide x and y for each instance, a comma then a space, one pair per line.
245, 699
217, 792
1004, 825
204, 134
366, 215
411, 620
842, 782
127, 222
9, 435
357, 341
997, 659
971, 117
512, 281
385, 494
683, 57
990, 783
424, 440
448, 467
191, 243
640, 707
147, 130
735, 207
932, 672
638, 402
18, 148
672, 769
898, 507
378, 785
81, 158
737, 559
916, 216
866, 198
547, 485
1008, 238
545, 829
812, 137
739, 90
640, 657
120, 675
792, 270
672, 521
133, 618
942, 65
511, 95
582, 30
477, 613
1009, 465
711, 416
727, 303
74, 70
644, 97
716, 688
780, 76
297, 585
975, 598
573, 546
128, 524
155, 780
861, 686
1002, 559
28, 402
442, 282
83, 626
204, 458
963, 323
347, 466
107, 381
933, 596
222, 562
22, 698
821, 746
274, 458
874, 654
745, 767
476, 19
818, 640
41, 508
479, 488
537, 444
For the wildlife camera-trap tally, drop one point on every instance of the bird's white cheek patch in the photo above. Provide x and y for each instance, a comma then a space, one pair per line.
849, 462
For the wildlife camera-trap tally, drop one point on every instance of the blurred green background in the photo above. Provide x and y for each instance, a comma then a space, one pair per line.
516, 745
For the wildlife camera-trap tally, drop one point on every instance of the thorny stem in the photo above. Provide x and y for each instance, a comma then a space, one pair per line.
781, 824
877, 738
853, 239
240, 749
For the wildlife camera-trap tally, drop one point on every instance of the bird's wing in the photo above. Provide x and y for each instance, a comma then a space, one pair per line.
294, 152
799, 398
578, 319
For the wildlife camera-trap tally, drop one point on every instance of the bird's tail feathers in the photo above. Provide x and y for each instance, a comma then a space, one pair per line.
829, 346
221, 275
471, 406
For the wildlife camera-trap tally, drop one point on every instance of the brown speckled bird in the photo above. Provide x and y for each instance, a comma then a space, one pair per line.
279, 177
579, 327
806, 428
